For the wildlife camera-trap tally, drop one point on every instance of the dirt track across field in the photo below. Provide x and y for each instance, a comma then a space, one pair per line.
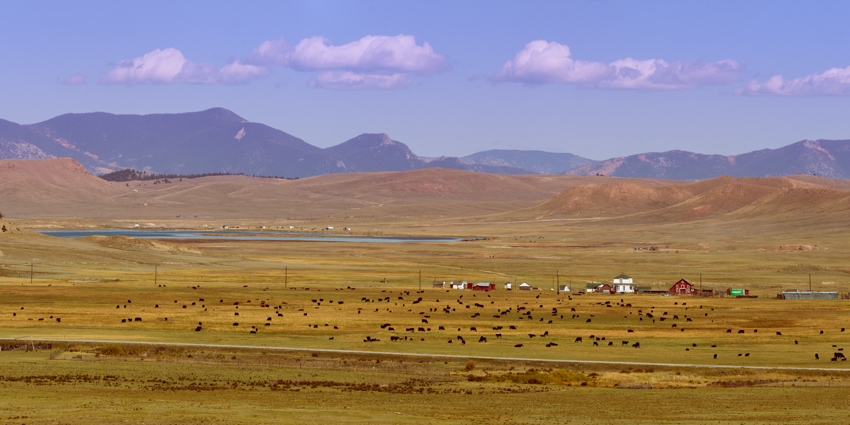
451, 356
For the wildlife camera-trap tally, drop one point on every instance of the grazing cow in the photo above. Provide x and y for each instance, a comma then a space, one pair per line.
636, 345
513, 327
630, 331
578, 339
741, 331
779, 333
531, 335
715, 356
236, 324
747, 355
625, 342
518, 345
839, 356
472, 329
546, 333
728, 331
610, 343
442, 328
821, 332
482, 339
587, 321
421, 329
595, 344
817, 357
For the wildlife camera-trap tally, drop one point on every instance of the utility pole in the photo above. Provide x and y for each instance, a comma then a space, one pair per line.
700, 283
420, 279
155, 273
558, 275
810, 282
285, 277
31, 268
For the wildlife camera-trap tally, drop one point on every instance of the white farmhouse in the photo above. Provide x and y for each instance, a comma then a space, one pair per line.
624, 284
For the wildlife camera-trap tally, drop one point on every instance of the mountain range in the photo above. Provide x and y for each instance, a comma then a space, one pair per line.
218, 140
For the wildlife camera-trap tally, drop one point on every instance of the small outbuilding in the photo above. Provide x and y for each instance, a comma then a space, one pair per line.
461, 285
524, 287
508, 286
564, 288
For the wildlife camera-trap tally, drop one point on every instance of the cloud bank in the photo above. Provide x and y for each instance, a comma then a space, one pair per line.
370, 63
169, 66
542, 62
833, 82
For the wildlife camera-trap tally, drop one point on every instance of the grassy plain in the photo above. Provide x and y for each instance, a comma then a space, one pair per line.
92, 285
325, 295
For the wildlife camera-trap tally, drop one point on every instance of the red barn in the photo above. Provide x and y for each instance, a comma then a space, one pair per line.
484, 286
682, 287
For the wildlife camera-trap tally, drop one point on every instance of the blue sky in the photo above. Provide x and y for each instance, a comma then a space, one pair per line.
596, 78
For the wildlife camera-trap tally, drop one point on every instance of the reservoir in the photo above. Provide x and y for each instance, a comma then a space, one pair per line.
240, 235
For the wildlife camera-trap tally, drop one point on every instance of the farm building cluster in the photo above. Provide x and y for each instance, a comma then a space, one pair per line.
621, 284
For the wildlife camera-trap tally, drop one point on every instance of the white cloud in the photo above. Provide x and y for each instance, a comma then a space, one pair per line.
75, 80
370, 63
270, 53
370, 54
833, 82
547, 63
169, 66
542, 62
347, 80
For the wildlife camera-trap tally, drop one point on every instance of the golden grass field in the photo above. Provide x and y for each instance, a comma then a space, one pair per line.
323, 297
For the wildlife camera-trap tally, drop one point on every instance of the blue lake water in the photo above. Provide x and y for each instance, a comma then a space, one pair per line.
238, 235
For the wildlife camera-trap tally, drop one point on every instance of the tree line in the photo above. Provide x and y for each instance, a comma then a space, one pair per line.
130, 174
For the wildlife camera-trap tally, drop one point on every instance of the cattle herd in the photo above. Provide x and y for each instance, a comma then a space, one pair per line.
483, 318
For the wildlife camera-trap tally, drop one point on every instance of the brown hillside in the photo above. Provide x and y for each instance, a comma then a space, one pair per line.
822, 181
62, 188
610, 199
42, 185
708, 198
